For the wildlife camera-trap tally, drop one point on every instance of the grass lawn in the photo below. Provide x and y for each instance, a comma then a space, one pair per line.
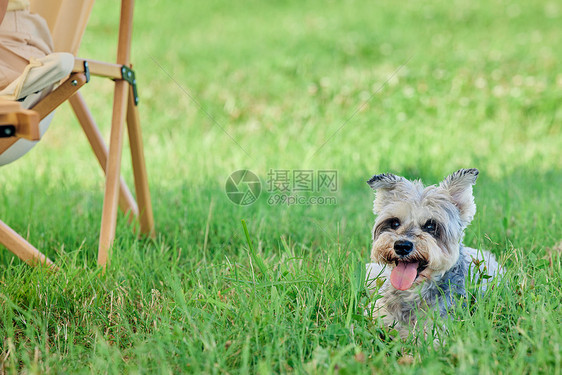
419, 89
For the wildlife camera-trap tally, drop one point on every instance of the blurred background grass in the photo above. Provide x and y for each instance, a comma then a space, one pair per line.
418, 89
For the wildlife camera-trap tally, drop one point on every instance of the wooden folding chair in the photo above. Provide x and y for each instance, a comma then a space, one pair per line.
67, 21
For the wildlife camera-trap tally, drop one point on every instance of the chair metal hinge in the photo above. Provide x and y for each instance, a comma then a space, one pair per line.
129, 75
87, 71
7, 131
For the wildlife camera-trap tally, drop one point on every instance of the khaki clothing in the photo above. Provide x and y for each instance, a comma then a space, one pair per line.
23, 36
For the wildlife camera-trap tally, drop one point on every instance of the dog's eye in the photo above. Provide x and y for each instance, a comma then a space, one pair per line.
430, 227
394, 223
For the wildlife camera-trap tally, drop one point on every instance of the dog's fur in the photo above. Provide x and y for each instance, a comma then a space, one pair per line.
430, 221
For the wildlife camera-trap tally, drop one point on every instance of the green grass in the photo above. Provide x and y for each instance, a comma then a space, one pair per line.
291, 82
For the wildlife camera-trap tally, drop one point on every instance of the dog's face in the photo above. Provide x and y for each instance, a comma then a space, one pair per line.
418, 229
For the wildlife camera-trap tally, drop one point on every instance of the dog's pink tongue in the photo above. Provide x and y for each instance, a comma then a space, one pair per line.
403, 275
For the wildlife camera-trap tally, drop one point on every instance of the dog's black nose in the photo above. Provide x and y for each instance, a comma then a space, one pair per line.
403, 248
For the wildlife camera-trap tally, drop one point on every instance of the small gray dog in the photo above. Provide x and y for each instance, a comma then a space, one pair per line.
420, 261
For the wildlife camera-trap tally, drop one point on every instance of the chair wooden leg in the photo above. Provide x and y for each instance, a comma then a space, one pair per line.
146, 217
109, 215
125, 32
21, 248
126, 201
113, 171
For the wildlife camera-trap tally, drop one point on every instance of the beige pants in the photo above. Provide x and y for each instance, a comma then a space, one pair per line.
23, 35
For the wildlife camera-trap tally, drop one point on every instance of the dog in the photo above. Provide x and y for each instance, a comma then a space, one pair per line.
419, 261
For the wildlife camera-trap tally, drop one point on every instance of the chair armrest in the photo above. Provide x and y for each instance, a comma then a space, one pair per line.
23, 123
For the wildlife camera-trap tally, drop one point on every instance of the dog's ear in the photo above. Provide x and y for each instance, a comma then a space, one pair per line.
388, 188
385, 181
459, 187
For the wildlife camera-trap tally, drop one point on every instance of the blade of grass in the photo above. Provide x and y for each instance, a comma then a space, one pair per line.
255, 257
